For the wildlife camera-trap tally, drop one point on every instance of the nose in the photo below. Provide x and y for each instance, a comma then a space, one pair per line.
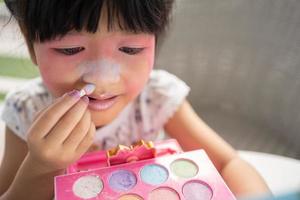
101, 72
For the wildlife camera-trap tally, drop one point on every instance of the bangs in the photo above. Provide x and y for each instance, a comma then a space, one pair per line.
47, 19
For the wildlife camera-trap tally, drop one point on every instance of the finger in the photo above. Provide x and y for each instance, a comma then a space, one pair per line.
79, 132
50, 116
87, 141
67, 122
38, 114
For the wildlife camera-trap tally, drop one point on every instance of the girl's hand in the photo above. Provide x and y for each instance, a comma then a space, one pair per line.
61, 133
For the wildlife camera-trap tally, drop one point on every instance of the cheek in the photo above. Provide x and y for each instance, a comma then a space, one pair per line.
150, 59
137, 77
57, 77
138, 72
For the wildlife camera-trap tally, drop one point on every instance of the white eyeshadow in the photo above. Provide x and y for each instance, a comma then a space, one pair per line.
87, 186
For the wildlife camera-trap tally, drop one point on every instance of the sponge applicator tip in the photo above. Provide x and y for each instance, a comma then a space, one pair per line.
87, 89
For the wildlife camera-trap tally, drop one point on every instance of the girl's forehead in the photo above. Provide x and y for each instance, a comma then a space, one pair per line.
112, 34
117, 37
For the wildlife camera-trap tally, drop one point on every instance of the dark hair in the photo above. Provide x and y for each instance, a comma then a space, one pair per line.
42, 20
47, 19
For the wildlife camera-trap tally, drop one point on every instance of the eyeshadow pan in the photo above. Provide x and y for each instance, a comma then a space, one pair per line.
184, 168
122, 180
163, 193
87, 186
130, 197
170, 175
154, 174
197, 190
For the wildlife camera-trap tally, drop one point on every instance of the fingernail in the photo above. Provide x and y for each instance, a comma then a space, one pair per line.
85, 99
74, 93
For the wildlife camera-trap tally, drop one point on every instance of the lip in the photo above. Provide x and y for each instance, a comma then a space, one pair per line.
103, 103
102, 96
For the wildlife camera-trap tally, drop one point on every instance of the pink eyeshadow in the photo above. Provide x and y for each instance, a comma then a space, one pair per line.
163, 193
194, 190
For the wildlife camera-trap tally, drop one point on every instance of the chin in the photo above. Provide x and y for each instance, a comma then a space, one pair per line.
105, 117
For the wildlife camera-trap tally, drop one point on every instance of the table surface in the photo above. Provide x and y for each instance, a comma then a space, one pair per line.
282, 174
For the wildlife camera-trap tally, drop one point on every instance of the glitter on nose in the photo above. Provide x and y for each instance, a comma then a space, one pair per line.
100, 71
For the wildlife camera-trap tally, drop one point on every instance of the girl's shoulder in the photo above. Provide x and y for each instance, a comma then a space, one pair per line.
159, 100
163, 91
22, 104
31, 88
163, 83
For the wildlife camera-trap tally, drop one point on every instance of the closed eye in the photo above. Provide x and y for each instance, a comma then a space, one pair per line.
69, 51
131, 50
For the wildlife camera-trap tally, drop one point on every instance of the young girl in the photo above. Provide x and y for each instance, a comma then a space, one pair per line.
108, 48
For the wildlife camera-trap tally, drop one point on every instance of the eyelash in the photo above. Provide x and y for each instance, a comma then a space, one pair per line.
70, 51
131, 50
75, 50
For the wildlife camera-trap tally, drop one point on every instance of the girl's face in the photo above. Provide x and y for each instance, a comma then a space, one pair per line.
118, 63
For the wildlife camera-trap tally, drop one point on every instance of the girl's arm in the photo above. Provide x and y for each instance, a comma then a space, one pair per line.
27, 183
20, 177
192, 133
14, 153
32, 182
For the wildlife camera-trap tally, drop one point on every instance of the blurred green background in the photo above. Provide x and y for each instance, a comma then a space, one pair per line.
14, 67
17, 67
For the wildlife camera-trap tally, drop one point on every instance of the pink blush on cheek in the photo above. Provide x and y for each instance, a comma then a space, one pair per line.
150, 57
57, 80
58, 73
136, 77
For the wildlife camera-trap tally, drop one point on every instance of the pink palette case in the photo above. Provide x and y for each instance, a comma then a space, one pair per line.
143, 171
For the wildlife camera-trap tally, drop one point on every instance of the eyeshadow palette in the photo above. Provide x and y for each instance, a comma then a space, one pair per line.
144, 171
